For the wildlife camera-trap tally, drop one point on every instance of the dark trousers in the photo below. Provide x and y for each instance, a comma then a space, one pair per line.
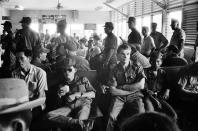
131, 107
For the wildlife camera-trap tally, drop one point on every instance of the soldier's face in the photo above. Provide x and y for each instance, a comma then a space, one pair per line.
107, 30
124, 55
153, 27
23, 60
131, 24
173, 25
69, 73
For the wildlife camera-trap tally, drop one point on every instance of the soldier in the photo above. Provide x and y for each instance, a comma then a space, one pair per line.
76, 94
178, 37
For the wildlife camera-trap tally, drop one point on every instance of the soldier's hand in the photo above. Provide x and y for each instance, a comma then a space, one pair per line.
63, 90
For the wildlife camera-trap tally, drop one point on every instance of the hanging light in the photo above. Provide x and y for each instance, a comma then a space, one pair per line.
19, 7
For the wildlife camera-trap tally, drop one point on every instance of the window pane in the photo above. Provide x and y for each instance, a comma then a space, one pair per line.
50, 27
124, 29
35, 27
78, 29
158, 19
139, 23
147, 21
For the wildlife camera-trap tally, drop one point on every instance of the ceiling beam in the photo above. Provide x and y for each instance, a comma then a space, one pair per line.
116, 10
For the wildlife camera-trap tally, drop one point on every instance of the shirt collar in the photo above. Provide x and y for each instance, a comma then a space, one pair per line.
30, 72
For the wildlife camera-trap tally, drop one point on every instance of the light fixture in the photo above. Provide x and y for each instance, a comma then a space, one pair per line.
19, 7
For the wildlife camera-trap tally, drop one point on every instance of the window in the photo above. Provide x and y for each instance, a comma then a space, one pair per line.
35, 27
100, 30
51, 27
139, 24
78, 29
147, 21
124, 29
157, 18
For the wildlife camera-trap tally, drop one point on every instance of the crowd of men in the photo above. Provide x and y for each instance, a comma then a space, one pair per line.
126, 72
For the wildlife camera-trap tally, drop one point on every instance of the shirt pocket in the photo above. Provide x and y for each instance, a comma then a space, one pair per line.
32, 86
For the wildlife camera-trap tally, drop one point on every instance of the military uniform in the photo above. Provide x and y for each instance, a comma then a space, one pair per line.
133, 102
80, 107
176, 38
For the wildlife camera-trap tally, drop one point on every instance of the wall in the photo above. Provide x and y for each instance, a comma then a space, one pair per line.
83, 16
3, 12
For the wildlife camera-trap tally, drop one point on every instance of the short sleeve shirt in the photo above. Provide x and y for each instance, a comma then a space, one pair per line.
119, 77
110, 42
36, 80
159, 39
148, 45
134, 37
80, 84
177, 36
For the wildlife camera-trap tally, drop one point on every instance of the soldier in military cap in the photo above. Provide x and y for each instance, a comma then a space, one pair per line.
30, 38
76, 94
178, 37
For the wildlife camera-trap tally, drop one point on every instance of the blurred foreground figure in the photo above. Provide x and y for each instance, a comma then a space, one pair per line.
15, 107
149, 122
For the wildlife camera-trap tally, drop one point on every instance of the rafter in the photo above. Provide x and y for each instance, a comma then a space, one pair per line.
163, 4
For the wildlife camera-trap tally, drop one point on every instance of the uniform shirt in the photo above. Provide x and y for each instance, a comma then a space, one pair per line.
36, 81
79, 84
159, 39
8, 56
134, 37
177, 36
120, 77
147, 46
110, 42
31, 38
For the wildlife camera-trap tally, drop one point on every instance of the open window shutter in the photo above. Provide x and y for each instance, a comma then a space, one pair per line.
147, 7
138, 7
175, 3
132, 8
190, 17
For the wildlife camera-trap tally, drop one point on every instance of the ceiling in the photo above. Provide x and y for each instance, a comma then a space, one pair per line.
91, 5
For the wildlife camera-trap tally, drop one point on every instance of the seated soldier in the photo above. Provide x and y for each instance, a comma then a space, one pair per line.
39, 59
149, 122
172, 58
126, 81
76, 94
15, 107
